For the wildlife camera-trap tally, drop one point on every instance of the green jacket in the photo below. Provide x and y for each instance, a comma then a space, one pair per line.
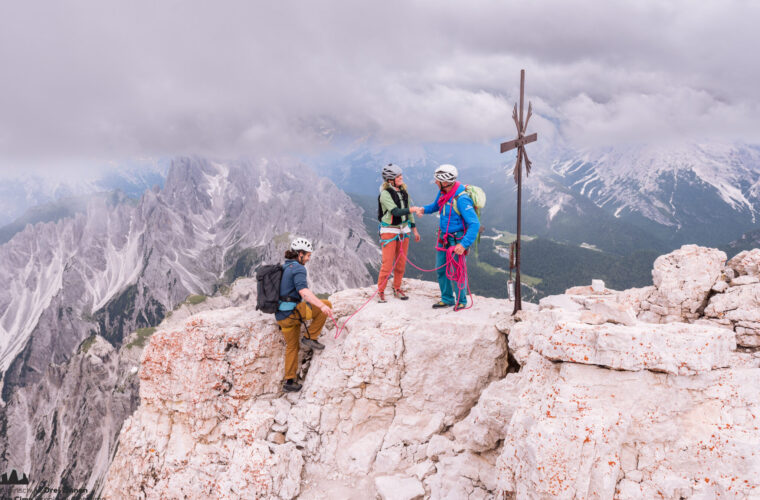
386, 201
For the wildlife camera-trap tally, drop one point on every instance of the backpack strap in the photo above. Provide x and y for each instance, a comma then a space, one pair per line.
454, 201
286, 299
397, 196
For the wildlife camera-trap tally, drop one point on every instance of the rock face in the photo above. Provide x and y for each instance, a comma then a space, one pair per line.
412, 402
212, 416
581, 431
696, 285
204, 416
90, 395
683, 280
73, 416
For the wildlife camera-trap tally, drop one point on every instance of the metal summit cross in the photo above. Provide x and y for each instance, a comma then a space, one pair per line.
519, 143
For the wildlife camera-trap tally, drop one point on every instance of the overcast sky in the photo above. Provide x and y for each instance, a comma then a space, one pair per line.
85, 80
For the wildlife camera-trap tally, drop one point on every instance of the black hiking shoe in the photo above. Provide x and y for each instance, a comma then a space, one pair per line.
312, 344
399, 294
381, 297
291, 385
459, 307
441, 304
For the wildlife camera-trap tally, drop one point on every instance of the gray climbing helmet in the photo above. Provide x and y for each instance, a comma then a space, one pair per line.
391, 171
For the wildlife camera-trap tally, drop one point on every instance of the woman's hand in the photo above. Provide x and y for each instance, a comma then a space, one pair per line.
416, 235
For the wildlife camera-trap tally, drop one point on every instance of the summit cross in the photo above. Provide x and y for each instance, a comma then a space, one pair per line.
519, 143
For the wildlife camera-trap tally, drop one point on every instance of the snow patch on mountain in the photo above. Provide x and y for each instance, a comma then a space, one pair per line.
644, 179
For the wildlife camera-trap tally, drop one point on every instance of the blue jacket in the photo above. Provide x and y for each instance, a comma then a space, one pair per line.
468, 219
293, 281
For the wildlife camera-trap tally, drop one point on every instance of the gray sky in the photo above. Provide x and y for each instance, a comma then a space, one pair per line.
85, 80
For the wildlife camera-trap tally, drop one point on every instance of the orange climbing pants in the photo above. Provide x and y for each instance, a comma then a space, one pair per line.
390, 254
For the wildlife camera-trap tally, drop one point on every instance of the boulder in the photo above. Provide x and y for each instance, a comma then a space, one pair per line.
613, 312
399, 488
683, 279
746, 263
563, 301
745, 280
740, 306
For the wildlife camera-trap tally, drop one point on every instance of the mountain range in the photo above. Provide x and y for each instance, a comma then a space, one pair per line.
619, 200
124, 264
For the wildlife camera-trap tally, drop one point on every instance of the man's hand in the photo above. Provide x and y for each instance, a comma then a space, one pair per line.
459, 249
325, 310
418, 211
416, 235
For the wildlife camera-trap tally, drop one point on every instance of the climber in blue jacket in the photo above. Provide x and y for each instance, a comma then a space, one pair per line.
459, 227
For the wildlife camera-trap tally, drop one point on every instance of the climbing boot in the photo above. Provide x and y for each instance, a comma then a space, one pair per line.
312, 344
459, 307
291, 385
381, 297
399, 294
441, 304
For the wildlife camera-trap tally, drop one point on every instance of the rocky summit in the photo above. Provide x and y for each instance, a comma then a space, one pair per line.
594, 393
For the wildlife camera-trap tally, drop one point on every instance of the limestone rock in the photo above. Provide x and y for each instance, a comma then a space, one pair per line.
564, 301
579, 429
487, 422
399, 488
591, 318
613, 312
746, 263
635, 298
739, 305
683, 279
720, 286
375, 397
201, 429
672, 348
412, 402
745, 280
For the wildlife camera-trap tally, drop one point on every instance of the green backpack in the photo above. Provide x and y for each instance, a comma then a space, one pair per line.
478, 197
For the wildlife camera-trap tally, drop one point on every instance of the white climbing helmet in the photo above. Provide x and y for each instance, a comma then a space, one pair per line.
391, 171
301, 244
446, 173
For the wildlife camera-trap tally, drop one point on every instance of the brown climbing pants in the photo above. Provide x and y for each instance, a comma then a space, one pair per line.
291, 330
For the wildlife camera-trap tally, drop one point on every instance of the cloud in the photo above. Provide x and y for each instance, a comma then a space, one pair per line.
90, 81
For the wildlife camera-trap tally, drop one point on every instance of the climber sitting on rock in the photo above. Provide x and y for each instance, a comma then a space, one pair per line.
297, 305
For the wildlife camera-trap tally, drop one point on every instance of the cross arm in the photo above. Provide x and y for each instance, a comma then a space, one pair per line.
516, 143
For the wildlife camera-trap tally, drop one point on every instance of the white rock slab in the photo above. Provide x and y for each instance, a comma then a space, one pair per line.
399, 488
672, 348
